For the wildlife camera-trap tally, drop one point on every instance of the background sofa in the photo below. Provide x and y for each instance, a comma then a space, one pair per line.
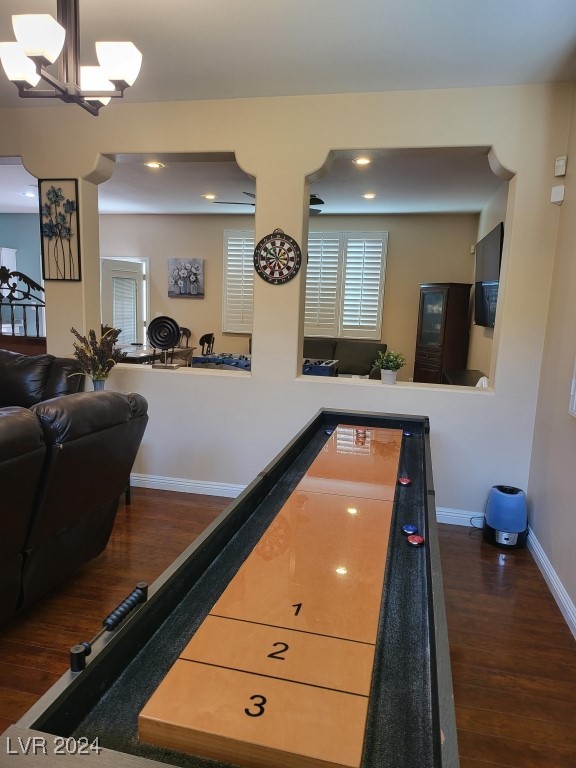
355, 356
64, 464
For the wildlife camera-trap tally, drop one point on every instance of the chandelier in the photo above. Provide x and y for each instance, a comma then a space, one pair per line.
42, 40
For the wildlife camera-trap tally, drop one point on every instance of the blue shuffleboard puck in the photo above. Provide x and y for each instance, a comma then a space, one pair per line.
409, 529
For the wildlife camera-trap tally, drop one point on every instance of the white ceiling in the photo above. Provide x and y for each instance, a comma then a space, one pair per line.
216, 49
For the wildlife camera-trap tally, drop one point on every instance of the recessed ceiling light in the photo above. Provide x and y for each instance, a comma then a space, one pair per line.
209, 197
369, 196
362, 160
29, 194
154, 164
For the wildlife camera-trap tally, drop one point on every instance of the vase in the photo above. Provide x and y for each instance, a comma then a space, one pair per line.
388, 377
98, 384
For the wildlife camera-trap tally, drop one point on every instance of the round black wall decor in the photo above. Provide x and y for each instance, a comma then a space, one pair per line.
163, 332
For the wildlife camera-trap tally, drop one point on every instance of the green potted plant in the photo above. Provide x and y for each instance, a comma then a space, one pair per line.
389, 363
97, 357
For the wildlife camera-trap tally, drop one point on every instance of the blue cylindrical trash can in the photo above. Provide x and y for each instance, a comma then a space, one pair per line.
506, 517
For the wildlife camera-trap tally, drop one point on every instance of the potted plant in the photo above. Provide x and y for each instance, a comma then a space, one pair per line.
389, 363
97, 357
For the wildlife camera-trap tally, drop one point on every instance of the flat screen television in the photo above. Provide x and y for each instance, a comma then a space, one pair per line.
487, 276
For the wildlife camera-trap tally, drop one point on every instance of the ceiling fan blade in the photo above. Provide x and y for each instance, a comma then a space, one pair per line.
229, 202
315, 200
250, 194
314, 211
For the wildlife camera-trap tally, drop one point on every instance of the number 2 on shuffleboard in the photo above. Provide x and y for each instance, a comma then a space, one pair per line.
282, 648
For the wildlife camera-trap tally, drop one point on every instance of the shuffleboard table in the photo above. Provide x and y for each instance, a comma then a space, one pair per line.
304, 629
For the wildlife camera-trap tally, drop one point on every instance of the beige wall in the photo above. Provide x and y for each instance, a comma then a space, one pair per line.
551, 491
215, 430
160, 237
421, 248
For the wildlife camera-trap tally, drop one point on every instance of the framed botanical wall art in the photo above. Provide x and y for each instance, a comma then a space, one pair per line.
186, 278
59, 229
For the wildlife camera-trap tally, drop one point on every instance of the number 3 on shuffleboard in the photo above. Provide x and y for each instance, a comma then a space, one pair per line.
258, 705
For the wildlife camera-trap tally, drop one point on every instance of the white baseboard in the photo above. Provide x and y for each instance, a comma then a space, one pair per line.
567, 607
458, 517
185, 486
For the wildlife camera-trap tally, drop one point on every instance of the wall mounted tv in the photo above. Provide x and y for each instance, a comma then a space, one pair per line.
487, 276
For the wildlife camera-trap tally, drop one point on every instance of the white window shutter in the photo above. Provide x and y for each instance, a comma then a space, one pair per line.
363, 289
124, 299
237, 303
322, 284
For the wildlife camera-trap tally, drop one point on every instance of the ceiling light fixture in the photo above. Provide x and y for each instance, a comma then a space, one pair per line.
362, 161
209, 197
154, 164
369, 196
41, 40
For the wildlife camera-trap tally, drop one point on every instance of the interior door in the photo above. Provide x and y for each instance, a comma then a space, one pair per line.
123, 298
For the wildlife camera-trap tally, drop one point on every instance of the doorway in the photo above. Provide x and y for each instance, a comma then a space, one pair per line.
124, 299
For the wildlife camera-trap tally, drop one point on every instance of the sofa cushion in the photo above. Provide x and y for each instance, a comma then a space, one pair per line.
356, 356
65, 378
23, 378
319, 349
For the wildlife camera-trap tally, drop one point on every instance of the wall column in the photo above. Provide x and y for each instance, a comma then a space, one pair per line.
76, 303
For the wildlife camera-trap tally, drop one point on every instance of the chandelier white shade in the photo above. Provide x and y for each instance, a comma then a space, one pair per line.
120, 62
40, 35
18, 67
94, 79
42, 40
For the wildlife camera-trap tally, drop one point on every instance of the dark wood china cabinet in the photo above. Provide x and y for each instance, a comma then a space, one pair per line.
443, 330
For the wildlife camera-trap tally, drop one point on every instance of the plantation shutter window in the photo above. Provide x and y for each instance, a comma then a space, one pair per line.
345, 284
322, 284
237, 304
124, 306
364, 268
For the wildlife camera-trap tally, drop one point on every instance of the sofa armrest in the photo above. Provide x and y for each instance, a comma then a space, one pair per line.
71, 417
22, 454
92, 439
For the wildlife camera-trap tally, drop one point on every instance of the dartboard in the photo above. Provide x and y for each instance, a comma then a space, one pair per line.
277, 258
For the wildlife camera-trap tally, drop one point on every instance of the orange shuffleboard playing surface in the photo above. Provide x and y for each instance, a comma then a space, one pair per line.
279, 672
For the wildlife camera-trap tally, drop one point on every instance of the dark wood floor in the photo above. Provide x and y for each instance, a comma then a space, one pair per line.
513, 657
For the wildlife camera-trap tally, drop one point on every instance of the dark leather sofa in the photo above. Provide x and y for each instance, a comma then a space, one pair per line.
355, 356
64, 464
26, 380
